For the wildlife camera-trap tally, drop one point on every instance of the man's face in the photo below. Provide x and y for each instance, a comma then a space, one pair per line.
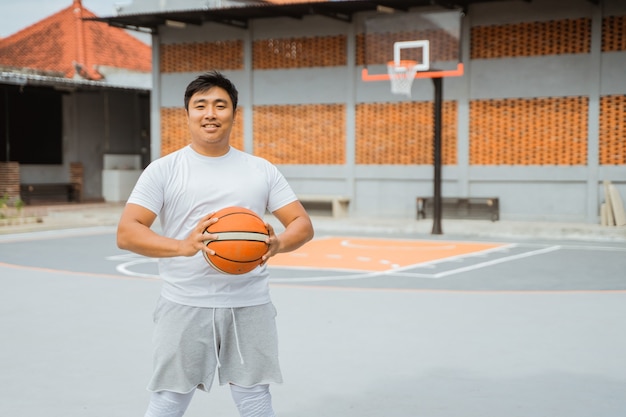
210, 117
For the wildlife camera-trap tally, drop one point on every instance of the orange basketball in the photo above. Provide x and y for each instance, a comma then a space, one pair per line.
240, 242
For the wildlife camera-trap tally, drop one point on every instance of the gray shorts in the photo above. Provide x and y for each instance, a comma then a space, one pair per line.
190, 343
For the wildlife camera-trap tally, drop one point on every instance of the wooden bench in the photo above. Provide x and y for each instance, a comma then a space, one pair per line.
461, 208
47, 193
336, 204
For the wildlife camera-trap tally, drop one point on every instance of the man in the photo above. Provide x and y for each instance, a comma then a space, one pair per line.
206, 320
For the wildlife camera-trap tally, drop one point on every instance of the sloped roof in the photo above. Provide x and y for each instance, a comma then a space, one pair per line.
65, 44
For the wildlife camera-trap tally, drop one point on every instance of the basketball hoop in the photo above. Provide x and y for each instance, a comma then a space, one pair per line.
401, 74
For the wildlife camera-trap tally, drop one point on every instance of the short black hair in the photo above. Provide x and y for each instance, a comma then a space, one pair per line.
207, 81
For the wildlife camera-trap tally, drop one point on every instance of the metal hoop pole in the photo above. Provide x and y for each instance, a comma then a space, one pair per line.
438, 87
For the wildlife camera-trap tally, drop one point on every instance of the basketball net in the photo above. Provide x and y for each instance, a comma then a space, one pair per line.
402, 75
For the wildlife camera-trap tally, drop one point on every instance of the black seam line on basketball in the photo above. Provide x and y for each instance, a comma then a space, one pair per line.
208, 258
236, 261
241, 212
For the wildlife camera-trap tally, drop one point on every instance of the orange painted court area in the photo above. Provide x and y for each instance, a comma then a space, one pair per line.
367, 254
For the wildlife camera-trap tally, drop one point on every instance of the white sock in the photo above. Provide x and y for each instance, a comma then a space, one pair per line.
168, 404
255, 401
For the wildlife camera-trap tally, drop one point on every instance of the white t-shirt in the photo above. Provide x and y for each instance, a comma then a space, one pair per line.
184, 186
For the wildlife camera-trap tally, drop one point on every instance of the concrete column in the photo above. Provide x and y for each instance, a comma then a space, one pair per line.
593, 126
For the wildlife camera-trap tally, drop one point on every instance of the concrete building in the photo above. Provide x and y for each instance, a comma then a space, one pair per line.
538, 120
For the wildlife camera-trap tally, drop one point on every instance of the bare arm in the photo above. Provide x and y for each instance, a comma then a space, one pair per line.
298, 230
134, 234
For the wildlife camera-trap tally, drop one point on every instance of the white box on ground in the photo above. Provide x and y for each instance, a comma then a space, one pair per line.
119, 176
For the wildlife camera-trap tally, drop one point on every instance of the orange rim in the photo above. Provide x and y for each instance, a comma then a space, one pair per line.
365, 76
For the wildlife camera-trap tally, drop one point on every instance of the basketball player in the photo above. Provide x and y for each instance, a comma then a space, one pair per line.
205, 320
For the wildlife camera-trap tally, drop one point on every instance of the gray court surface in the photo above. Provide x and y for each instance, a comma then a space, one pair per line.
536, 330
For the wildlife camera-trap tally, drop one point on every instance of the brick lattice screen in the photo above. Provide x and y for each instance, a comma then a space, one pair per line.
175, 132
614, 34
572, 36
321, 51
300, 134
541, 131
202, 56
402, 133
612, 128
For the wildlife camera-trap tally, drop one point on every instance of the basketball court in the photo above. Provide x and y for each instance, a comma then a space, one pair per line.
369, 326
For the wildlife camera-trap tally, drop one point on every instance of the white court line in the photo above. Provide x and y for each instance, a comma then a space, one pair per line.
395, 271
122, 257
123, 268
400, 271
569, 246
429, 264
496, 261
598, 248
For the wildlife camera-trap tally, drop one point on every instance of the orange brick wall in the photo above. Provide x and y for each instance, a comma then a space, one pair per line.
301, 134
201, 56
541, 131
614, 34
175, 132
402, 133
572, 36
613, 130
386, 133
320, 51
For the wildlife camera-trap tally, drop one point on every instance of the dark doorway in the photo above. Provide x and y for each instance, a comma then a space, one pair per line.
32, 125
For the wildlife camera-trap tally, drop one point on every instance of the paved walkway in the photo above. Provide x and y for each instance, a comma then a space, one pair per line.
38, 218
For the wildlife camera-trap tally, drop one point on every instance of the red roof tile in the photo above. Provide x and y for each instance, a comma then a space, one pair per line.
64, 43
